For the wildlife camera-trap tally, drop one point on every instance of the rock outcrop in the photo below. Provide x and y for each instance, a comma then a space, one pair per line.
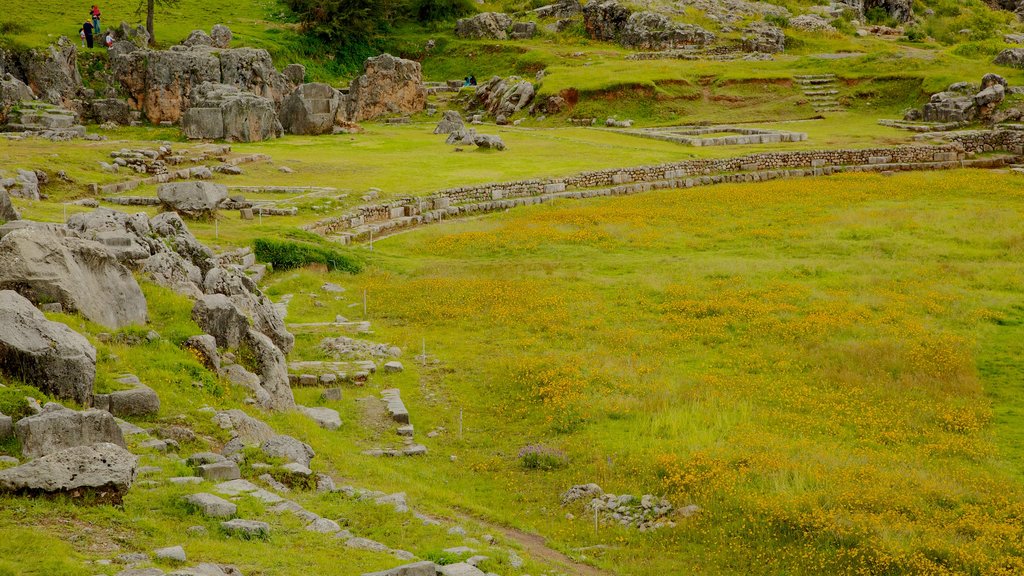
223, 112
8, 212
44, 265
652, 31
58, 428
12, 93
450, 123
504, 96
765, 38
610, 21
102, 472
51, 73
1012, 57
486, 25
388, 85
192, 198
44, 354
311, 109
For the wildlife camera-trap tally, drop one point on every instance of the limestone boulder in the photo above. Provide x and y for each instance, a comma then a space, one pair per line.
198, 38
605, 20
246, 429
160, 82
950, 107
504, 96
52, 72
289, 449
102, 472
192, 198
295, 74
173, 233
170, 270
652, 31
12, 92
765, 38
425, 568
83, 276
45, 354
489, 142
272, 368
486, 25
218, 316
58, 428
388, 85
311, 109
116, 110
1012, 57
246, 296
138, 400
811, 23
221, 36
451, 122
8, 213
127, 236
223, 112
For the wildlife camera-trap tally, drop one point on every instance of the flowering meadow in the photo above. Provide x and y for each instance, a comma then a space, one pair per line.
822, 366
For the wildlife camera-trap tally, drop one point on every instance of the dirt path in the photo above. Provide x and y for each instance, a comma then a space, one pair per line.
537, 548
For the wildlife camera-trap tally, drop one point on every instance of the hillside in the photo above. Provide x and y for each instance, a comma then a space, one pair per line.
691, 287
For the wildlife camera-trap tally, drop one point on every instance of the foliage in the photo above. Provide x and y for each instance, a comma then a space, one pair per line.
285, 255
345, 22
441, 10
442, 558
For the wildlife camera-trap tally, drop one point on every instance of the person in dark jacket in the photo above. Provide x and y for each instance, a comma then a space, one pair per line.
87, 30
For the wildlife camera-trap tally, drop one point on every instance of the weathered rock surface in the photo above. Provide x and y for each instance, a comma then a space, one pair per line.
192, 198
51, 73
246, 296
139, 400
82, 275
212, 506
129, 237
486, 25
489, 142
101, 471
652, 31
58, 428
223, 112
220, 318
311, 109
450, 123
504, 96
425, 568
45, 354
272, 368
765, 38
288, 448
245, 428
174, 272
12, 92
8, 212
811, 23
388, 85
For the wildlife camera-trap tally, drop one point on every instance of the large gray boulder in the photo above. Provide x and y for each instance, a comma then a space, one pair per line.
246, 429
504, 96
160, 83
8, 213
950, 107
129, 237
388, 85
45, 266
58, 428
248, 298
1012, 57
139, 400
51, 72
194, 198
218, 316
175, 235
272, 368
652, 31
311, 109
45, 354
424, 568
605, 20
451, 123
223, 112
170, 270
489, 142
102, 472
12, 92
486, 25
289, 449
765, 38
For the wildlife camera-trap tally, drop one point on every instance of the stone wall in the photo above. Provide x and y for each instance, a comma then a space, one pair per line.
748, 168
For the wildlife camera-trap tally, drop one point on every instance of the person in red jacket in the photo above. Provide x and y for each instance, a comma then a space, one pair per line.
95, 13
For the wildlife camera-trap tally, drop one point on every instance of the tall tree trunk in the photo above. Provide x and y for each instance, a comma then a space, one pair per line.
150, 8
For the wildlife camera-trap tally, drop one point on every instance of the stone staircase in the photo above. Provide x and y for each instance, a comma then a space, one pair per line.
821, 90
45, 120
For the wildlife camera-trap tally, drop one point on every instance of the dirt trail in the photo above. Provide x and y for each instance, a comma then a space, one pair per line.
537, 548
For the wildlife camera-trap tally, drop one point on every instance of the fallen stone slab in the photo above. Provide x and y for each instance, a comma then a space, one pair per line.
247, 529
172, 553
58, 428
288, 448
393, 399
101, 472
225, 470
424, 568
327, 418
212, 506
140, 400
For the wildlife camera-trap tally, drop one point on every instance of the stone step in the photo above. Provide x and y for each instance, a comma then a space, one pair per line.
814, 76
820, 92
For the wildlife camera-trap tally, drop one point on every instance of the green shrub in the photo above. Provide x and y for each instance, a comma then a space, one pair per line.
285, 255
441, 10
915, 34
541, 457
777, 19
442, 558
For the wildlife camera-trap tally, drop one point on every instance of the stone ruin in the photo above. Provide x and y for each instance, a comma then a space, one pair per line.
494, 26
964, 102
214, 91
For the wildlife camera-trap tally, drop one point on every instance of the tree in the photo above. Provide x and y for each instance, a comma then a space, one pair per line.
150, 7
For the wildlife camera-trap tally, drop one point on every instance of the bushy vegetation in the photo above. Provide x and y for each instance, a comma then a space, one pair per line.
289, 254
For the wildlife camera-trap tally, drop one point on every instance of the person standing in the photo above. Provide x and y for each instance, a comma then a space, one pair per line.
95, 13
87, 31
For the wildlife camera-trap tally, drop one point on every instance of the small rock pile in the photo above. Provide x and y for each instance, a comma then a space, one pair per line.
647, 512
963, 102
143, 161
351, 347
